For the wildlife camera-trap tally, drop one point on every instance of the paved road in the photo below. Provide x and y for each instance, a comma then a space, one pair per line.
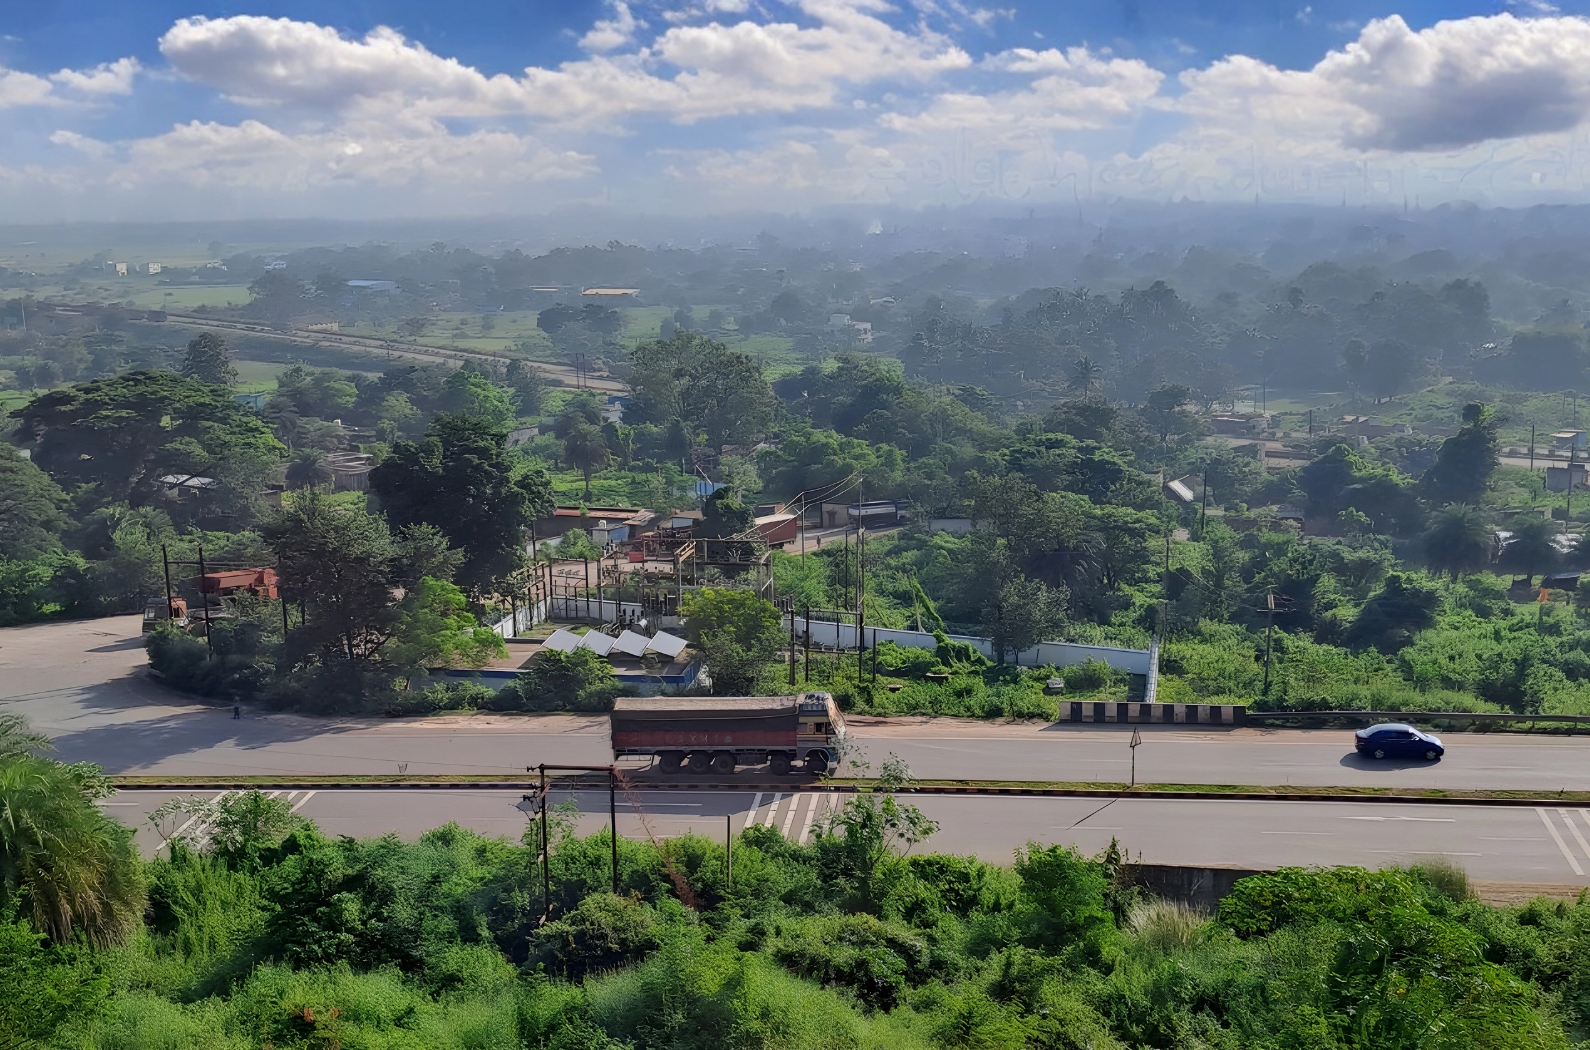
1508, 844
82, 684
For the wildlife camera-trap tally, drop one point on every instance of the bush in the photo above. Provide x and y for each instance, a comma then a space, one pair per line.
186, 663
1091, 675
554, 681
443, 696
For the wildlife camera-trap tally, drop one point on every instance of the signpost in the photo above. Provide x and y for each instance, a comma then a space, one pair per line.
1137, 739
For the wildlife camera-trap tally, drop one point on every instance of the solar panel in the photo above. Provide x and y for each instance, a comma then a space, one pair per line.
667, 644
598, 643
631, 643
562, 641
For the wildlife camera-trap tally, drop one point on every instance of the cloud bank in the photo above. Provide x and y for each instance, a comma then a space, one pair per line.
728, 104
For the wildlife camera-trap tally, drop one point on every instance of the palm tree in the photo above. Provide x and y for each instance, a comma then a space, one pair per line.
62, 860
1086, 376
308, 469
1457, 541
585, 451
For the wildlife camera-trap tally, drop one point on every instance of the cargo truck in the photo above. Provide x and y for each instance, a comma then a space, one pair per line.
717, 734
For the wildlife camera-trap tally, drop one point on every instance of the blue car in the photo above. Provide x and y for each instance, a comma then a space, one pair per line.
1395, 740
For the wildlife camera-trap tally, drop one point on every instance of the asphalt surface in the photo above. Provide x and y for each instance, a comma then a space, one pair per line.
1538, 845
82, 684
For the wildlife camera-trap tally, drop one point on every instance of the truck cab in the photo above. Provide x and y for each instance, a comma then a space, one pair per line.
819, 731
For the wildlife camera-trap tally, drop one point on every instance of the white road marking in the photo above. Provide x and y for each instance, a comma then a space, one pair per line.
1422, 820
806, 828
300, 803
1325, 833
101, 803
756, 804
772, 809
1561, 845
1568, 820
795, 805
1424, 853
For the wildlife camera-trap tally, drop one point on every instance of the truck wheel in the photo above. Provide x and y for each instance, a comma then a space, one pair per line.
778, 764
670, 761
700, 762
817, 762
723, 763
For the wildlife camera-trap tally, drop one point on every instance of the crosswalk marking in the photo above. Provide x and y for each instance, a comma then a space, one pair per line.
818, 802
1561, 845
750, 818
300, 803
789, 817
772, 809
1574, 828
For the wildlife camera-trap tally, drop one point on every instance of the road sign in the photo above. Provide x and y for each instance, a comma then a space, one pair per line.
1137, 738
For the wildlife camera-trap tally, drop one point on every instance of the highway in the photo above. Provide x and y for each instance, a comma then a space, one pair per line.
82, 684
1516, 844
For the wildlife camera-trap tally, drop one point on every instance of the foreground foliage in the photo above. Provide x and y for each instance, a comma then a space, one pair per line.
274, 935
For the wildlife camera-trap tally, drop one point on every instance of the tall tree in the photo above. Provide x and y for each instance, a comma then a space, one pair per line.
32, 508
738, 633
1458, 540
1531, 548
586, 451
460, 479
308, 469
1021, 613
209, 360
702, 383
1464, 465
124, 433
1086, 377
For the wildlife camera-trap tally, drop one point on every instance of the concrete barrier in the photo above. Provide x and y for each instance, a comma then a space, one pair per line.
1199, 887
1153, 714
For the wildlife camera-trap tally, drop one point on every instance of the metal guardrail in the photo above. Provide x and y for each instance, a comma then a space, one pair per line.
1495, 717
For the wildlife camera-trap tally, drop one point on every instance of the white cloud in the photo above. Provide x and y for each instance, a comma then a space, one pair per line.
92, 148
1453, 85
608, 34
27, 89
1073, 89
107, 78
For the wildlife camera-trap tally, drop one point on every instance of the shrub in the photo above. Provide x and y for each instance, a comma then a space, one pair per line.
554, 681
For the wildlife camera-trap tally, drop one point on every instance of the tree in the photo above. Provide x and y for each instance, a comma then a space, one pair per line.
308, 469
529, 385
435, 630
1086, 376
1457, 541
63, 862
703, 383
1464, 465
1165, 412
738, 633
1020, 614
1404, 606
468, 393
585, 450
208, 360
460, 480
1531, 548
871, 828
124, 433
723, 516
341, 563
32, 508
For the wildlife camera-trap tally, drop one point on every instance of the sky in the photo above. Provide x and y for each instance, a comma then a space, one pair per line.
395, 108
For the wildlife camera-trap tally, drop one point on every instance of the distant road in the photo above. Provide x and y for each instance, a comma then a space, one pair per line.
82, 683
1519, 845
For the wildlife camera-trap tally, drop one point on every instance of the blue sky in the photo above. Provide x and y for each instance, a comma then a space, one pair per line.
155, 110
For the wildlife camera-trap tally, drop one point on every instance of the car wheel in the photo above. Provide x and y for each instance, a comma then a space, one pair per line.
670, 761
723, 763
1431, 755
1379, 753
700, 762
778, 765
817, 762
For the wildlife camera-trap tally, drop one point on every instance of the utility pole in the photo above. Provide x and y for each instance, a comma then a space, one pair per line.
861, 582
1268, 631
205, 597
792, 645
165, 563
1567, 515
1532, 448
1311, 422
1203, 514
728, 848
808, 656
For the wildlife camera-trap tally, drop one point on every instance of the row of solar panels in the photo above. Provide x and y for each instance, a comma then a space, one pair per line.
629, 643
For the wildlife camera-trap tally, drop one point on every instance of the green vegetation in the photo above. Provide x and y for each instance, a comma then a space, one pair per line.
260, 930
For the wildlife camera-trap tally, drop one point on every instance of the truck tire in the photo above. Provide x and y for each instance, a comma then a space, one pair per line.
700, 761
817, 762
723, 763
778, 764
670, 761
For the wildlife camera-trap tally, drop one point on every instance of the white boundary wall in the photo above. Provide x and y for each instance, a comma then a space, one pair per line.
1057, 654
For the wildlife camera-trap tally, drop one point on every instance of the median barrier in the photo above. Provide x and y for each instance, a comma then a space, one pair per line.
1577, 723
1152, 713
